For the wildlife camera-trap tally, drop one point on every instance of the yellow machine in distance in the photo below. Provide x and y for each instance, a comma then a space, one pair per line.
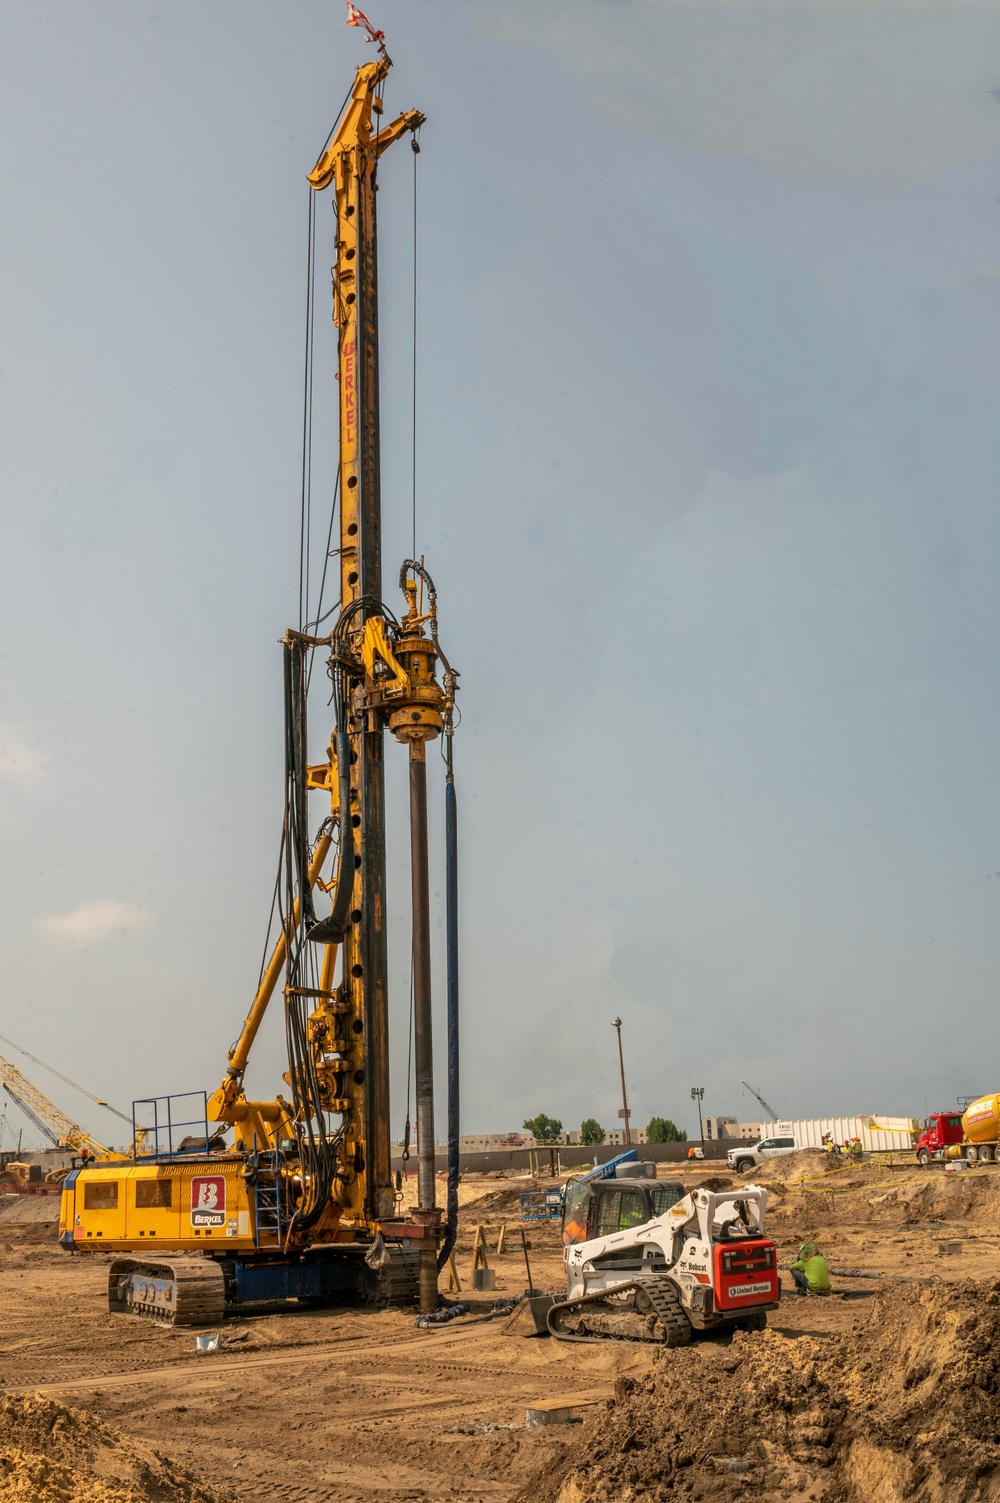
51, 1119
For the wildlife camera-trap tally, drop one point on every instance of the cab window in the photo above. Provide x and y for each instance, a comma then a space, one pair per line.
633, 1211
768, 1143
575, 1208
954, 1121
784, 1142
101, 1195
665, 1196
619, 1210
151, 1192
608, 1209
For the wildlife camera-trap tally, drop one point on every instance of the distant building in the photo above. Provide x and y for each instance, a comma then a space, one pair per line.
720, 1127
487, 1142
494, 1141
615, 1136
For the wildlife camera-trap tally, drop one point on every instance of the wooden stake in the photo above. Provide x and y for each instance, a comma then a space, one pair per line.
502, 1239
454, 1282
479, 1259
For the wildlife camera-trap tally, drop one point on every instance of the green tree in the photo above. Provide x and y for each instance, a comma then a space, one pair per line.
662, 1130
544, 1129
591, 1131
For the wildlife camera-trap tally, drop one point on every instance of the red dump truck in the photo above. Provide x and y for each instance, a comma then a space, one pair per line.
973, 1135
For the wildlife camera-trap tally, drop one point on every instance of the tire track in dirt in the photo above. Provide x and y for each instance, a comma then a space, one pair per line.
208, 1368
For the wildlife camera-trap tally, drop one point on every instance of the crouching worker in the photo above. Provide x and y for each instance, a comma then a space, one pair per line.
810, 1272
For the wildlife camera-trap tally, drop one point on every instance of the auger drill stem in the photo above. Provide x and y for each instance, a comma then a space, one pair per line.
423, 1049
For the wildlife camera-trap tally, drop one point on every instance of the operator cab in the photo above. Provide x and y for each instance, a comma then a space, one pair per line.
597, 1208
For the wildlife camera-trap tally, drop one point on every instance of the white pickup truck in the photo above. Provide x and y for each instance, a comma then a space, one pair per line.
748, 1155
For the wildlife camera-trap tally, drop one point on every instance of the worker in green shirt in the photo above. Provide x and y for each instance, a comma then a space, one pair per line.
810, 1272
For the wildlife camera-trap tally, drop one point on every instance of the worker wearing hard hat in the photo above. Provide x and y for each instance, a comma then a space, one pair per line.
810, 1272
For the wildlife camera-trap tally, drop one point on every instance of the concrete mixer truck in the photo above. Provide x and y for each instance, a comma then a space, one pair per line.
975, 1135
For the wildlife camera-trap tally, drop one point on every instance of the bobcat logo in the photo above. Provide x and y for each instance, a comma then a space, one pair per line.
208, 1200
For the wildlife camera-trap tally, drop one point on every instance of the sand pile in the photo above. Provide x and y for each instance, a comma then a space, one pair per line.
787, 1168
49, 1454
905, 1408
898, 1199
22, 1210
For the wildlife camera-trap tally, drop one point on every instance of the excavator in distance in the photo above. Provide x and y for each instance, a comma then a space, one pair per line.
301, 1204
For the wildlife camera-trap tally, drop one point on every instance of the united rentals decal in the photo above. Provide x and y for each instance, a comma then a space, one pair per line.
208, 1200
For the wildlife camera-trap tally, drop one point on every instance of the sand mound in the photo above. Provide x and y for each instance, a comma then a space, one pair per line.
50, 1454
898, 1198
20, 1210
787, 1168
905, 1408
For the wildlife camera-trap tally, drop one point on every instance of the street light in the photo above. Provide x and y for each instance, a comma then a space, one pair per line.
697, 1092
625, 1114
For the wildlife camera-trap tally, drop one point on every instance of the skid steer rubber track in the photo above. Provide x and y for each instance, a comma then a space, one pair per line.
175, 1291
665, 1299
657, 1314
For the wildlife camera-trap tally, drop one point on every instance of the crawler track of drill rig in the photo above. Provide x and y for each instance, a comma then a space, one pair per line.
175, 1291
200, 1290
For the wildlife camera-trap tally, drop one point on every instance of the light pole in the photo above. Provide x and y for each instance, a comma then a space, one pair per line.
625, 1114
697, 1092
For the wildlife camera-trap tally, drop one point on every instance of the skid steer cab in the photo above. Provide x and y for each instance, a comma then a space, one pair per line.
701, 1263
599, 1208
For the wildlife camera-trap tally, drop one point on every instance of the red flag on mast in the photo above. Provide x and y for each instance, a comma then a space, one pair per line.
356, 17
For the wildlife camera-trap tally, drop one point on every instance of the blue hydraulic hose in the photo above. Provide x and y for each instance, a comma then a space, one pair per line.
451, 930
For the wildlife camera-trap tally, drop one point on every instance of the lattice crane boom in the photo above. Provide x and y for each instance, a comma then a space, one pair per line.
46, 1115
769, 1109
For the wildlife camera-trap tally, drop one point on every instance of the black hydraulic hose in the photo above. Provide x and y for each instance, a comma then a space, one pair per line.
295, 774
451, 931
410, 566
331, 930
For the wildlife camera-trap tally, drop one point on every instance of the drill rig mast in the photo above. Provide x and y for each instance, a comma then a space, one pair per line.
306, 1205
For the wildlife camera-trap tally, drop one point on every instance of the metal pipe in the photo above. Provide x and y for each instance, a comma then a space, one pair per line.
422, 1017
451, 930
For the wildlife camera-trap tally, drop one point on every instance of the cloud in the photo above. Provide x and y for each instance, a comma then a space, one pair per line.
20, 762
886, 93
94, 921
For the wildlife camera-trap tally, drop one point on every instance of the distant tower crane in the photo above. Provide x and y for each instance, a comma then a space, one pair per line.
769, 1109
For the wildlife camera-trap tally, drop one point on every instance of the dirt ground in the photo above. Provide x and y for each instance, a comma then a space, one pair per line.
359, 1405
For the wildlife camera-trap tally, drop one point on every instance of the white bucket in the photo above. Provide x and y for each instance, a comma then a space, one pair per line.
207, 1343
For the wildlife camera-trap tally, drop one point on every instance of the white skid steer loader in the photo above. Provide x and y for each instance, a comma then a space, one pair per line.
703, 1262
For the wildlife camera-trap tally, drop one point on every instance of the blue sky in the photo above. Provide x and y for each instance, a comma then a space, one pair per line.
708, 456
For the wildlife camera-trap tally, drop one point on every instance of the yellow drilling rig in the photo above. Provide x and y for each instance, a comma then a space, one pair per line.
301, 1204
